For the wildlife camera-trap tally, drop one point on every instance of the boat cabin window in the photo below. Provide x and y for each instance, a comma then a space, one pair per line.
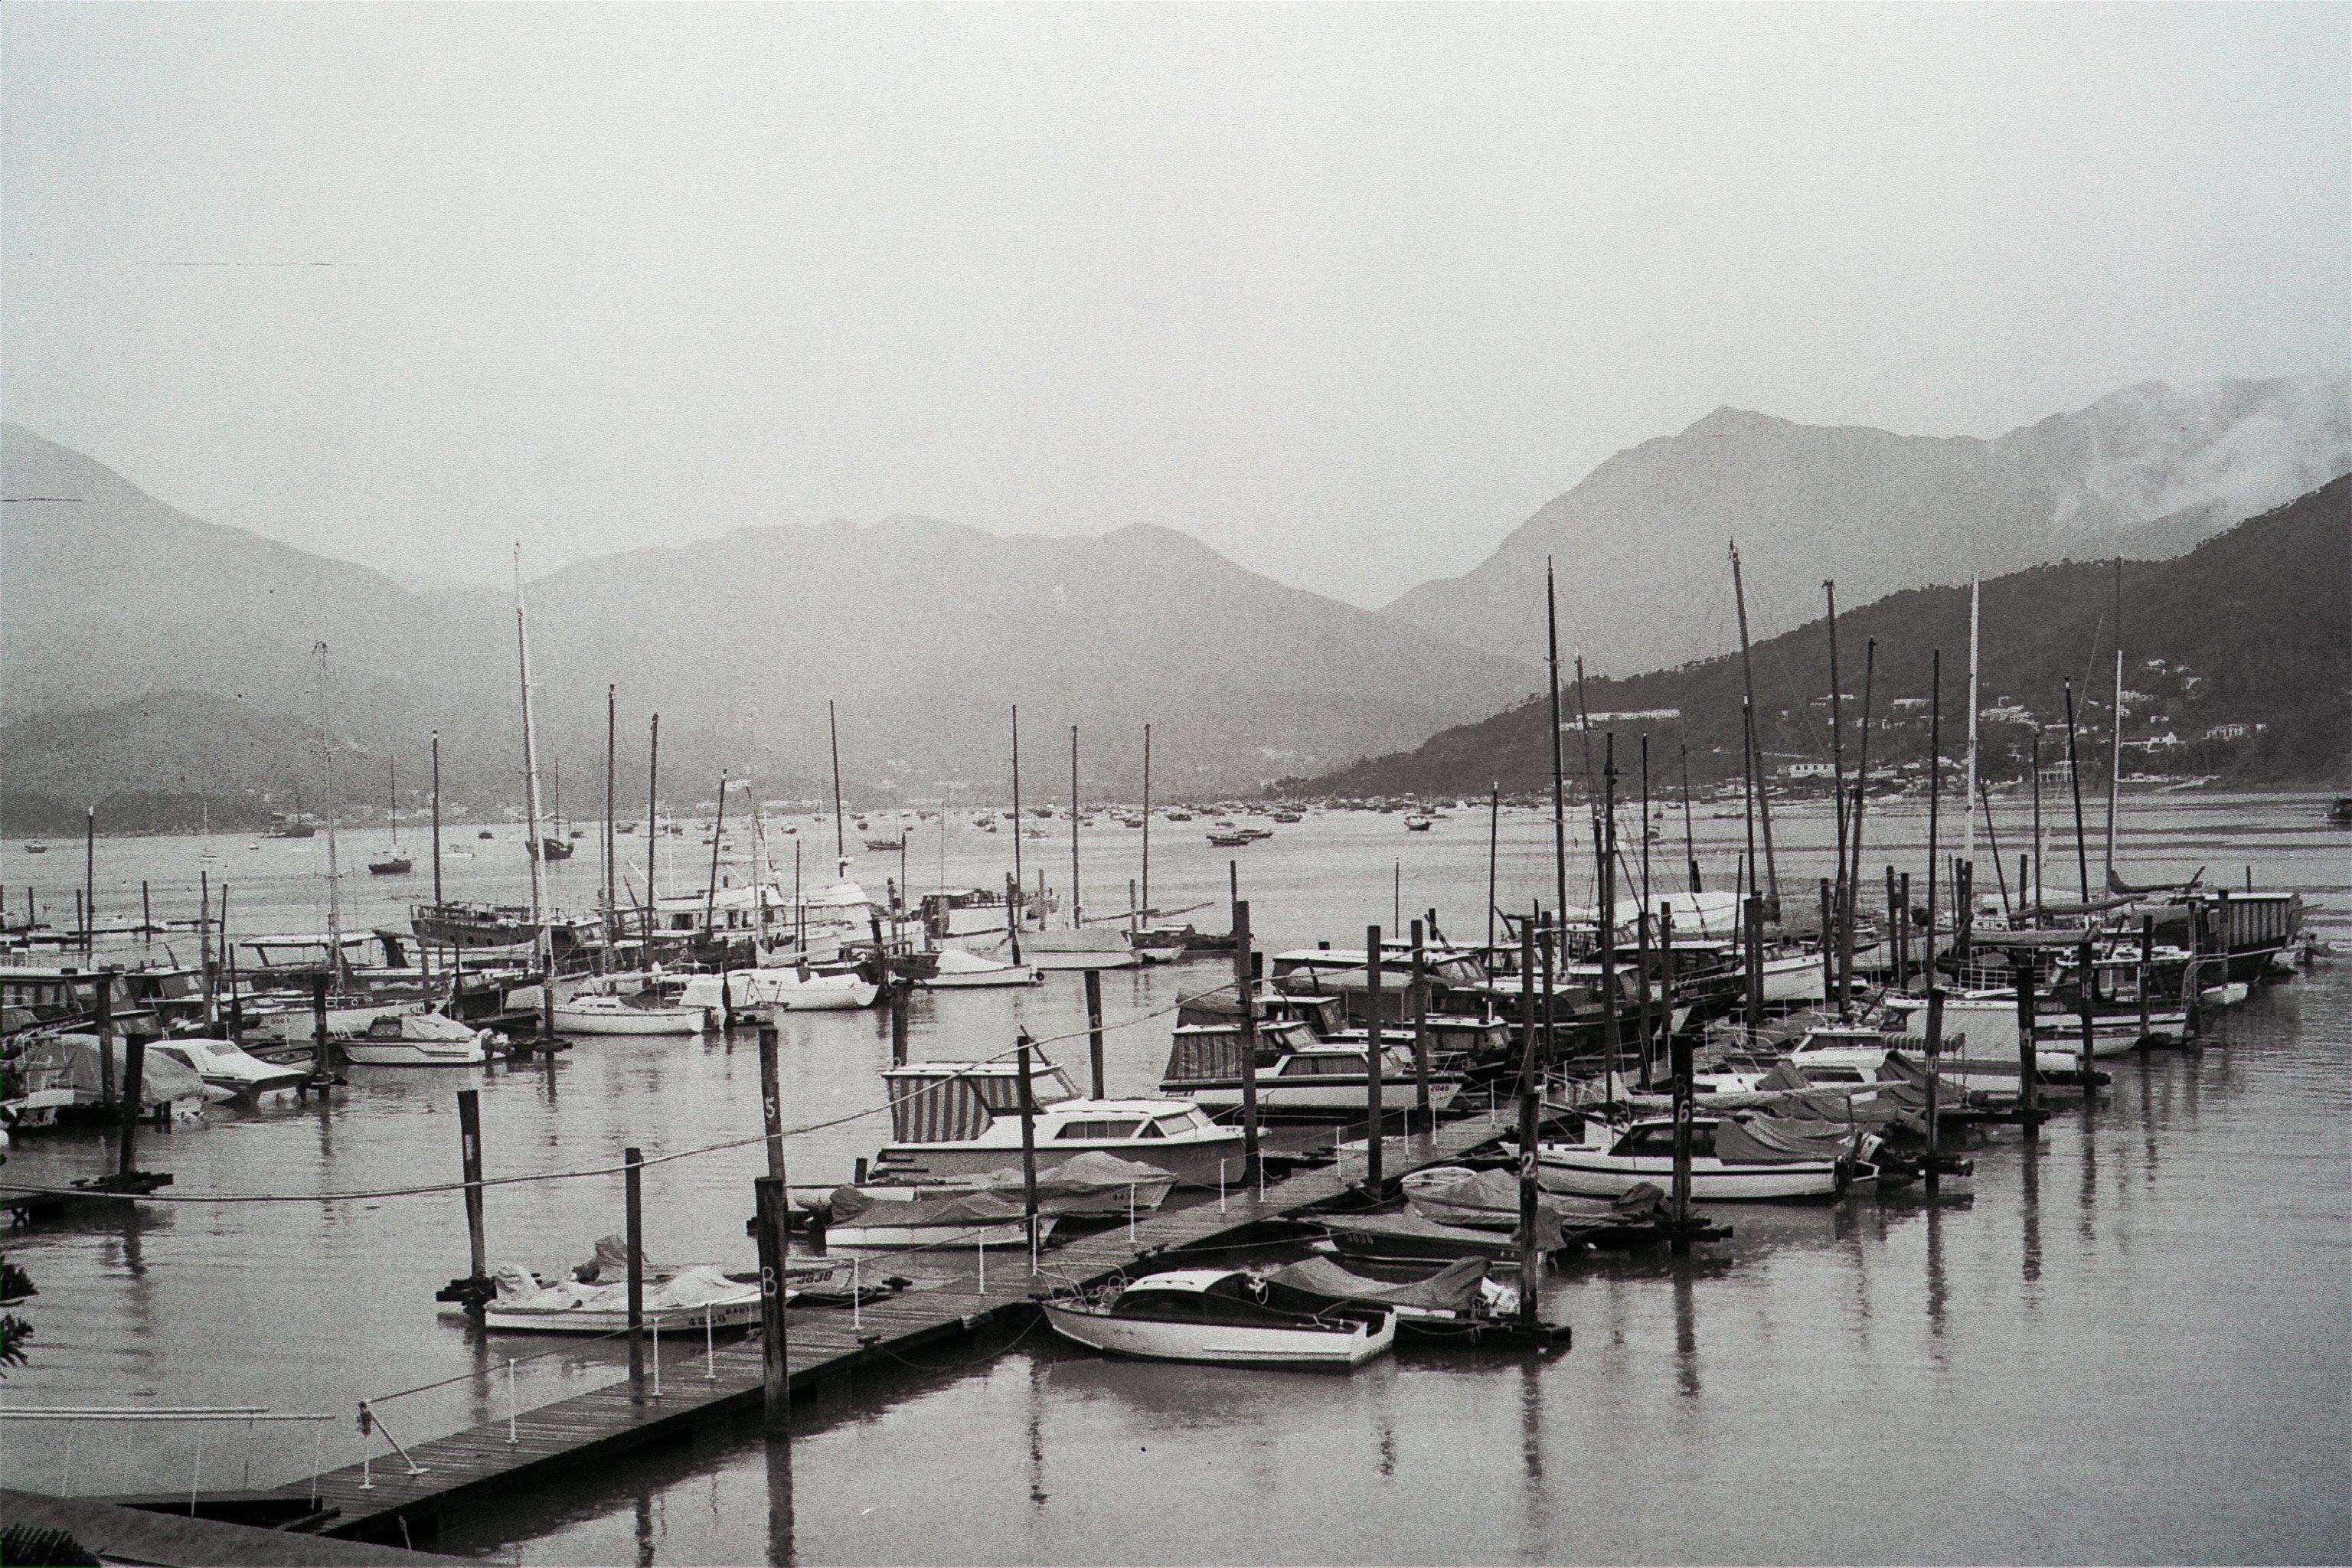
385, 1028
1174, 1126
1096, 1130
1835, 1075
1660, 1140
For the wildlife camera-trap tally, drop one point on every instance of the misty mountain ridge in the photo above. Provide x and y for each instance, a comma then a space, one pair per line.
1641, 542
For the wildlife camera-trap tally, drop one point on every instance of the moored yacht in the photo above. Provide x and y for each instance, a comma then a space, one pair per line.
952, 1120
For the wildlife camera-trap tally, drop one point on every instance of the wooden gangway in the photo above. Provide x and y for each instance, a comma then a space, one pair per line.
384, 1499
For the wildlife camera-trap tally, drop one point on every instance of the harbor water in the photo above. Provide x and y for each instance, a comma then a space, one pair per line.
2126, 1341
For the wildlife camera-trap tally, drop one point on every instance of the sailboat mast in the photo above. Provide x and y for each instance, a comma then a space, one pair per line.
1012, 899
1075, 920
1837, 757
334, 899
1756, 759
436, 816
2115, 741
531, 778
611, 843
1558, 788
840, 842
1690, 844
653, 827
1145, 901
394, 764
1968, 784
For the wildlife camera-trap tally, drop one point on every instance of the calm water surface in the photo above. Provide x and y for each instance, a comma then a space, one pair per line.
2129, 1343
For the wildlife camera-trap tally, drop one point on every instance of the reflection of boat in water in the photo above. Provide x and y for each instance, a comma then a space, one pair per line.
1219, 1317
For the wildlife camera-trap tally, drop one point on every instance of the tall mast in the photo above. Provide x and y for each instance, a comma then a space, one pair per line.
1012, 903
653, 827
545, 947
1968, 784
1747, 783
2074, 780
436, 816
335, 896
840, 845
1146, 899
2115, 741
1860, 793
394, 763
1559, 788
1756, 758
1076, 920
1690, 842
1837, 757
612, 847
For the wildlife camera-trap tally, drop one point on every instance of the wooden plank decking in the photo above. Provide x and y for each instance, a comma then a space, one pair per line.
383, 1500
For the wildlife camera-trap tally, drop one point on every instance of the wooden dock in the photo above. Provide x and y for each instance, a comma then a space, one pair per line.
384, 1500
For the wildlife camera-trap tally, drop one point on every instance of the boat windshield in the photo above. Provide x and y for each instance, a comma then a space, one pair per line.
1174, 1126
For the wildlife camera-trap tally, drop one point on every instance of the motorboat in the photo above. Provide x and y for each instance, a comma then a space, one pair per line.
955, 1120
617, 1015
64, 1071
795, 989
1219, 1317
229, 1071
1437, 1301
1296, 1074
1085, 947
409, 1036
706, 1297
392, 866
1728, 1163
953, 969
911, 1218
1417, 823
1231, 839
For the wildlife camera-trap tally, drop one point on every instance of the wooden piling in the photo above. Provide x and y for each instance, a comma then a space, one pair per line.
1903, 937
2085, 996
1531, 1255
1829, 945
134, 1074
321, 1063
469, 1160
1934, 1176
2029, 1112
146, 910
632, 1203
1028, 1146
1420, 991
1753, 936
102, 1021
1375, 1059
1678, 1060
768, 1221
1244, 994
1092, 981
2146, 959
901, 998
771, 1100
88, 880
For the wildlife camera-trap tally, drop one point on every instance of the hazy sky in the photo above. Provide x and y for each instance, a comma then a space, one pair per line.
1347, 292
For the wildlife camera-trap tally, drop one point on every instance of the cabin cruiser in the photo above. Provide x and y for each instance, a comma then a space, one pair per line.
1731, 1160
48, 1073
798, 989
1221, 1317
1296, 1075
952, 1120
617, 1015
407, 1035
230, 1073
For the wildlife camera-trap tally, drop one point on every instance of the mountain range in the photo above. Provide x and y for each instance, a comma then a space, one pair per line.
1641, 544
145, 648
2237, 658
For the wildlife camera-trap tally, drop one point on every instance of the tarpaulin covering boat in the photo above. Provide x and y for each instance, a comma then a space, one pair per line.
71, 1062
691, 1296
1453, 1288
1781, 1140
1092, 1183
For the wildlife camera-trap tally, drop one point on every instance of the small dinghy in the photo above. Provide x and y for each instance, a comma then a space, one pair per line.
611, 1016
1219, 1317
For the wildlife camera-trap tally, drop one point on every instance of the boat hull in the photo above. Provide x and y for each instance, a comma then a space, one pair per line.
728, 1312
1011, 974
869, 1236
1219, 1344
1595, 1174
648, 1021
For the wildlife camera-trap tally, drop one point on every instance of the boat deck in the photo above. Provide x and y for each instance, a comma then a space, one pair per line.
384, 1500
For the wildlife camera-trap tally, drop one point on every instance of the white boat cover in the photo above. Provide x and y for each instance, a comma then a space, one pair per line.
1782, 1140
1489, 1200
852, 1205
1094, 1182
71, 1062
697, 1286
1453, 1288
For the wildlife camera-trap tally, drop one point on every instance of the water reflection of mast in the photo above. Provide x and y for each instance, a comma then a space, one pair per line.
2086, 1222
1534, 1544
1686, 1378
779, 1501
2029, 1211
1037, 1493
1938, 1291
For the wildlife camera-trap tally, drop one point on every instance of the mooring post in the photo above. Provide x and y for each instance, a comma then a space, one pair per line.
1828, 949
134, 1065
1642, 984
1903, 941
102, 1020
146, 910
1421, 1022
2085, 996
2028, 1096
633, 1201
768, 1232
1754, 935
1678, 1063
1934, 1084
901, 999
2192, 986
1253, 1172
469, 1160
1375, 1061
2146, 954
321, 1066
1531, 1255
1028, 1146
771, 1100
1092, 981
